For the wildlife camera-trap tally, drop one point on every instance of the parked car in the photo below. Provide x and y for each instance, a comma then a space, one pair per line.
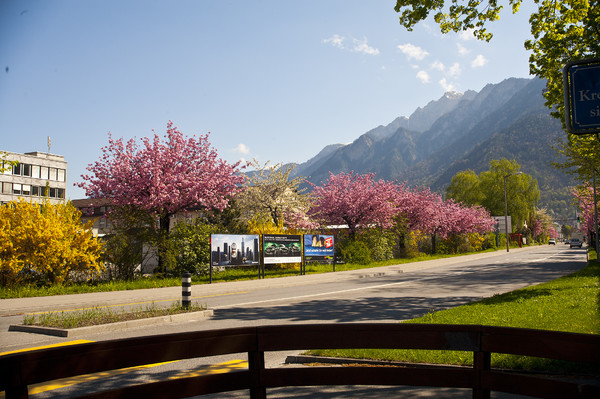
575, 243
552, 241
567, 242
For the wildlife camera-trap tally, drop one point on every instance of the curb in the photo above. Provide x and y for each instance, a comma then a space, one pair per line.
340, 361
118, 326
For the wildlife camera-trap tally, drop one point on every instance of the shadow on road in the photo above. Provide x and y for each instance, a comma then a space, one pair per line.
370, 309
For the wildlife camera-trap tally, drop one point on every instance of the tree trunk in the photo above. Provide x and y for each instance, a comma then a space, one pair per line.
163, 237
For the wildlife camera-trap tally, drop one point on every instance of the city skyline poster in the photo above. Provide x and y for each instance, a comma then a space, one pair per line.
235, 249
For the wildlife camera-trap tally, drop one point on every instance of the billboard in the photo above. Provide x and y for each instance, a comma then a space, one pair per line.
281, 248
501, 224
319, 247
234, 249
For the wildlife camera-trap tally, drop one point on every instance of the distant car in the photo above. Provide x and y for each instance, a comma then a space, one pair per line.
552, 241
567, 242
575, 243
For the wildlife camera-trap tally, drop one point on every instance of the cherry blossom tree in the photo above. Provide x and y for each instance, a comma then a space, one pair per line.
584, 197
355, 200
163, 176
541, 225
426, 211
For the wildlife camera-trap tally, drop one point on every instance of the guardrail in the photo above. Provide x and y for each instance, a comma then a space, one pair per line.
19, 370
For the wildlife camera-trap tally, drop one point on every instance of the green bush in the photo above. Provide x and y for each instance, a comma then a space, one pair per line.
380, 244
489, 241
190, 247
356, 252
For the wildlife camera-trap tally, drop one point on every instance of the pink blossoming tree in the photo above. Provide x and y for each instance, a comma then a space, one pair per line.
584, 197
354, 200
163, 176
426, 211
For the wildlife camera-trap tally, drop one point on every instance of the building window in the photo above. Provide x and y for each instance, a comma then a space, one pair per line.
60, 192
26, 189
35, 191
44, 173
26, 169
52, 174
17, 169
6, 188
52, 192
35, 171
16, 189
61, 175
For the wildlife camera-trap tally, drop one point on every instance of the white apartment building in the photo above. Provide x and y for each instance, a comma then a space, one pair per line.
37, 175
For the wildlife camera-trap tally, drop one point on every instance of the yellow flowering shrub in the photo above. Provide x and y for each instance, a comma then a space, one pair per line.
45, 243
262, 225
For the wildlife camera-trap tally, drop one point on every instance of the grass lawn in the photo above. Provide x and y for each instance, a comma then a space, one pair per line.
570, 303
104, 315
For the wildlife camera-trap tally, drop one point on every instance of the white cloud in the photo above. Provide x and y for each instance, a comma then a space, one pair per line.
335, 41
479, 61
438, 65
447, 86
467, 34
462, 50
242, 149
411, 51
361, 46
454, 70
423, 76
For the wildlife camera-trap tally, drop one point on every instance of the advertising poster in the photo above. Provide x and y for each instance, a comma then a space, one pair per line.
279, 248
319, 248
234, 249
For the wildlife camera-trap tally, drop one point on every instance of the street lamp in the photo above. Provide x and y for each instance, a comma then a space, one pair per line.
506, 209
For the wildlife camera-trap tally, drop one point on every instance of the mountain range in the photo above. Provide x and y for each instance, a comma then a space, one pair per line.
457, 132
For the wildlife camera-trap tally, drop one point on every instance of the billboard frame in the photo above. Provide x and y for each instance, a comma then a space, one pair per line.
570, 85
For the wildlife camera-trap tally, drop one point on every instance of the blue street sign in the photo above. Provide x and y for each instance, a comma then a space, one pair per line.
582, 96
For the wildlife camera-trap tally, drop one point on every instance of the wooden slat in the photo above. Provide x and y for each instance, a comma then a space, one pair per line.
379, 336
54, 363
393, 376
541, 343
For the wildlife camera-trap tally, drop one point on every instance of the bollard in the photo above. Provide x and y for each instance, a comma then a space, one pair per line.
186, 290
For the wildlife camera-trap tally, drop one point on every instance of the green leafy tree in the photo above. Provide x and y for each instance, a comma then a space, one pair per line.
464, 187
191, 244
521, 190
582, 157
132, 234
567, 230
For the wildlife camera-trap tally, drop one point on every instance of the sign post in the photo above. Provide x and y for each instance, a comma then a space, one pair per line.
581, 82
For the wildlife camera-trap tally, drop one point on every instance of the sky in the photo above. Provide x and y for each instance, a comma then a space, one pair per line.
270, 80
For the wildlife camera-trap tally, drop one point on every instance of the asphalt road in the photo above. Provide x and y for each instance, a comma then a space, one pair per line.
386, 294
